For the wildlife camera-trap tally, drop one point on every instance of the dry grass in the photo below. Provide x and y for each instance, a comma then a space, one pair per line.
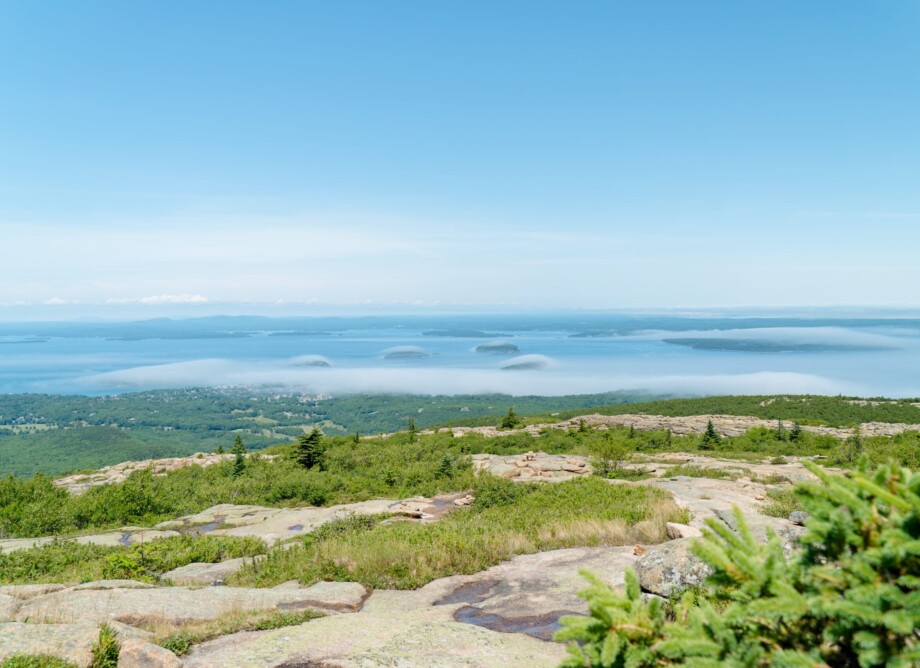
401, 555
179, 639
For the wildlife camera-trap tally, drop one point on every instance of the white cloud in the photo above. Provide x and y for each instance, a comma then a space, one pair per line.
552, 381
161, 299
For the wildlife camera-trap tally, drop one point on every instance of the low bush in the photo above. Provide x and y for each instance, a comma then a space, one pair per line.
848, 597
694, 471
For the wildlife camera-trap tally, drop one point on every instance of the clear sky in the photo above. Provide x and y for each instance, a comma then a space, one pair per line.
586, 154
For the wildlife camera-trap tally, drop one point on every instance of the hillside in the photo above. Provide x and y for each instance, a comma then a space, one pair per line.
56, 434
407, 546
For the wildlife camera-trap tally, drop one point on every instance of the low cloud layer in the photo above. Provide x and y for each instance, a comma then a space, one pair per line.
554, 381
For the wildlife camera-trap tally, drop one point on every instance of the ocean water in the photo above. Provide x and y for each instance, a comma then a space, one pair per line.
555, 355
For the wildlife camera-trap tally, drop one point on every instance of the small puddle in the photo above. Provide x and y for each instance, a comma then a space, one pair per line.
471, 592
203, 528
295, 527
125, 539
542, 627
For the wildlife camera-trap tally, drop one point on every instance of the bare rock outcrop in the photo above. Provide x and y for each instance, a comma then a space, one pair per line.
533, 466
180, 605
725, 425
80, 482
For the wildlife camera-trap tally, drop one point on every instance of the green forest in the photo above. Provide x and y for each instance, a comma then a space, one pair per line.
56, 434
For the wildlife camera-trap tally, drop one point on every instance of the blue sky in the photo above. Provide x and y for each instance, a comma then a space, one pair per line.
417, 154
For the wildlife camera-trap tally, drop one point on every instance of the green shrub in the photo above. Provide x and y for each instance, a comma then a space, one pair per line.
693, 471
782, 502
106, 648
68, 561
849, 596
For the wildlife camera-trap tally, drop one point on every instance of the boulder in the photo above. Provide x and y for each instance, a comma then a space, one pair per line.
677, 530
798, 517
670, 567
141, 654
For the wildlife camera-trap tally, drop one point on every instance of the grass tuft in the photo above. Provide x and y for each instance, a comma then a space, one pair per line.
180, 641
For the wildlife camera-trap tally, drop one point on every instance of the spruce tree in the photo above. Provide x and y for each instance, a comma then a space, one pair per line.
412, 429
445, 468
309, 450
711, 438
796, 433
846, 597
510, 421
239, 452
780, 431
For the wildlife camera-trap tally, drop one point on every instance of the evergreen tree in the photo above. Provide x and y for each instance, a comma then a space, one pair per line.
796, 433
220, 450
445, 468
239, 452
780, 431
357, 437
412, 429
309, 451
510, 421
711, 438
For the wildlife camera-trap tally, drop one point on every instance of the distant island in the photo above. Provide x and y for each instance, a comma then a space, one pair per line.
760, 346
526, 363
463, 333
498, 348
405, 353
301, 333
593, 333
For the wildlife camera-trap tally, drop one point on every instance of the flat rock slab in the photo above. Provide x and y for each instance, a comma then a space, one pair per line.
704, 497
425, 637
108, 539
726, 425
500, 617
72, 642
180, 605
118, 473
8, 607
278, 524
338, 596
207, 575
24, 592
529, 593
